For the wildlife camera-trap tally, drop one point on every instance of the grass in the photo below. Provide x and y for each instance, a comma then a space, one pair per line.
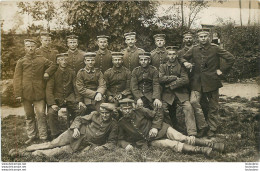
239, 130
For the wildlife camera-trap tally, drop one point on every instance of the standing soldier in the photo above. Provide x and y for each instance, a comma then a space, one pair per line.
131, 53
117, 79
145, 83
206, 79
29, 86
159, 55
45, 50
187, 41
173, 79
90, 84
104, 57
75, 57
61, 92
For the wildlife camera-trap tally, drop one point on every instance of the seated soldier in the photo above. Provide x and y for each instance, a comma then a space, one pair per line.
140, 126
117, 79
173, 79
61, 92
97, 128
90, 84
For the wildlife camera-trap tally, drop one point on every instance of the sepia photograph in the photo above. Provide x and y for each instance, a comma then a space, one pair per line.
130, 81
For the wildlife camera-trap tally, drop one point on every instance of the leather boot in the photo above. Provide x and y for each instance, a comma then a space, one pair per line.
220, 147
197, 150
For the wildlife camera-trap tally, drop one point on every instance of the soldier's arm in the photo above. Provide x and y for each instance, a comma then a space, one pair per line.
127, 90
18, 77
134, 86
163, 78
107, 80
50, 92
112, 138
79, 120
180, 82
52, 69
228, 57
146, 112
83, 91
101, 84
185, 57
156, 85
76, 92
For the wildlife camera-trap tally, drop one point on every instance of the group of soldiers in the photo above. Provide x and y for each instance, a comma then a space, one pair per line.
125, 98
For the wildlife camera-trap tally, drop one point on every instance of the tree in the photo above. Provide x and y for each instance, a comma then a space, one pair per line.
240, 9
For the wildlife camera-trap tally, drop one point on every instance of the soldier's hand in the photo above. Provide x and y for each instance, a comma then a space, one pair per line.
19, 99
55, 107
157, 103
98, 97
46, 76
129, 147
219, 72
111, 99
99, 148
139, 103
187, 65
119, 96
76, 133
153, 132
81, 104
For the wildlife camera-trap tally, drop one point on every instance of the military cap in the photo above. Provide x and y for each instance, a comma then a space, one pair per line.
72, 36
187, 33
172, 48
144, 55
45, 33
126, 102
102, 37
159, 36
130, 34
203, 30
90, 55
107, 106
29, 40
61, 55
117, 54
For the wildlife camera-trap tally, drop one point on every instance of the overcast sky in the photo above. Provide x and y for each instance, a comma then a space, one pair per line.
229, 9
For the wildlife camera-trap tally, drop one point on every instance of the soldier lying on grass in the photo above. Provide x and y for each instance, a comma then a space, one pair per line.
142, 127
96, 128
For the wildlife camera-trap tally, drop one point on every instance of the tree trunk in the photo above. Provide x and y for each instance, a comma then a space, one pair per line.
182, 14
240, 6
249, 17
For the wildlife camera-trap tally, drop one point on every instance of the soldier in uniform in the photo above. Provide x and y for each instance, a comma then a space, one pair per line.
173, 79
117, 79
159, 55
145, 83
98, 129
131, 53
45, 49
103, 58
141, 127
91, 84
75, 57
29, 86
206, 79
187, 41
61, 92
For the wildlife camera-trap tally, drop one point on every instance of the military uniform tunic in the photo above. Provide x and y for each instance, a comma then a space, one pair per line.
131, 57
48, 53
159, 56
103, 60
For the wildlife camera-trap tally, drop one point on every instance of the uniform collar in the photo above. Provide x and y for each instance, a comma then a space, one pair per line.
206, 46
45, 48
186, 48
73, 52
31, 56
102, 52
116, 70
89, 70
145, 69
172, 64
133, 49
160, 50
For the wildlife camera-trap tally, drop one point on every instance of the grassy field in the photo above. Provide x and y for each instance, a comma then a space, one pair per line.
239, 131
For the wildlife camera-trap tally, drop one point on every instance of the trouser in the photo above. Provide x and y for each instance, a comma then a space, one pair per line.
31, 109
149, 105
72, 110
213, 107
175, 140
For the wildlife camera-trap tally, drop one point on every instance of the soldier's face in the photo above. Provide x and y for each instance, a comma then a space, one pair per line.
72, 44
45, 41
90, 62
126, 110
203, 38
102, 43
188, 40
130, 41
117, 62
171, 55
159, 42
62, 61
30, 48
144, 62
105, 114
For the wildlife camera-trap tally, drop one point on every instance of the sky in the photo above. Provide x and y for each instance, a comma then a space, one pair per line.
227, 10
